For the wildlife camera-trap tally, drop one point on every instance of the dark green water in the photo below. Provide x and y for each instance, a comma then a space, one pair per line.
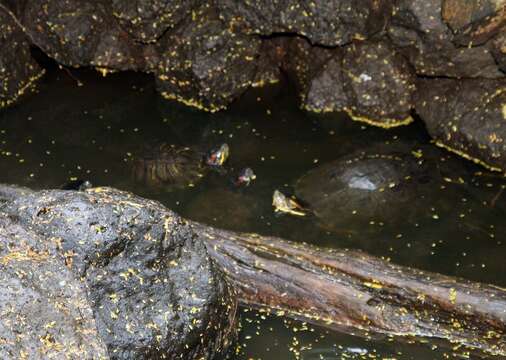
95, 130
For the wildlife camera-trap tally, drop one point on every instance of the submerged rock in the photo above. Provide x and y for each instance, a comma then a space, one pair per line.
323, 22
466, 116
152, 287
17, 68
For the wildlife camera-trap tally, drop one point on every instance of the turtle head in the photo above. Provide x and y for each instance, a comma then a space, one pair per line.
246, 176
279, 200
284, 204
219, 156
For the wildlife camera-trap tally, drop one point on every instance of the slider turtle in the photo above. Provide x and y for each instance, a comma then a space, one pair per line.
174, 167
387, 185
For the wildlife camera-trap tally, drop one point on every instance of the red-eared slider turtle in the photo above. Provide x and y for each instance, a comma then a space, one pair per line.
171, 167
77, 184
245, 177
287, 205
388, 185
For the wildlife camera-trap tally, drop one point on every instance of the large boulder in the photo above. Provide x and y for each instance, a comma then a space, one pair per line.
82, 33
18, 70
466, 116
367, 79
205, 63
379, 84
323, 22
44, 312
152, 287
148, 20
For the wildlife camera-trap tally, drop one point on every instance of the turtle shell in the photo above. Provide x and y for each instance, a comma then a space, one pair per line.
169, 167
373, 187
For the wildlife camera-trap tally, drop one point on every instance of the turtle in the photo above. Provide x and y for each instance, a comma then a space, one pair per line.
384, 185
77, 185
245, 177
287, 205
169, 166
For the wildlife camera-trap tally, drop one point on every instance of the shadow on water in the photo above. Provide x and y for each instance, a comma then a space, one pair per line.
94, 131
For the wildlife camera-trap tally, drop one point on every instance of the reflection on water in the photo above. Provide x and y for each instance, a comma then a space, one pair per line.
95, 131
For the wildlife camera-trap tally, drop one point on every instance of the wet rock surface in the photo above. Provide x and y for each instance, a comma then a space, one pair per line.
153, 290
44, 312
329, 23
467, 117
420, 32
499, 50
475, 22
379, 84
366, 79
147, 21
81, 33
455, 62
205, 63
17, 67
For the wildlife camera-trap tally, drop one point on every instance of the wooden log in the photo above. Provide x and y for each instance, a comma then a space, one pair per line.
345, 289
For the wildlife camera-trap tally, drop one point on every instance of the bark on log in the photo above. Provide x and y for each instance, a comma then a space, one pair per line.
351, 290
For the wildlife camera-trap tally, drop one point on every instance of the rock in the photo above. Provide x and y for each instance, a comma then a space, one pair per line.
12, 192
82, 33
324, 90
379, 84
455, 62
205, 63
44, 312
18, 70
323, 22
368, 80
317, 74
419, 32
420, 22
466, 116
458, 13
153, 289
499, 50
474, 21
148, 20
270, 61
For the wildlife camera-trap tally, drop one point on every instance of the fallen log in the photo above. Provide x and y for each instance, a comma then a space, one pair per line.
340, 289
350, 290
